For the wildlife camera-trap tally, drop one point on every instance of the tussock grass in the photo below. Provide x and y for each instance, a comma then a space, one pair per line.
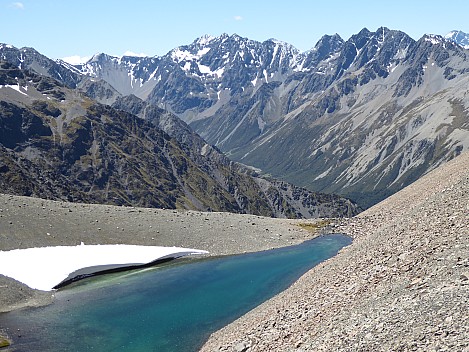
315, 226
4, 342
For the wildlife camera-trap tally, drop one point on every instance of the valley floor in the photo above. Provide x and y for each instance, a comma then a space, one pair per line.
402, 285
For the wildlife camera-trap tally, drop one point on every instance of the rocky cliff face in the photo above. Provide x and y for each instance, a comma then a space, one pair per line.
377, 128
57, 143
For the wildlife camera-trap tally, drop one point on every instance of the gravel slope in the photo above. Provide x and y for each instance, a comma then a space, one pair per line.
403, 284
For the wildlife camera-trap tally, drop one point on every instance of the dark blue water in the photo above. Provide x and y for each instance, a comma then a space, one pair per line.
173, 307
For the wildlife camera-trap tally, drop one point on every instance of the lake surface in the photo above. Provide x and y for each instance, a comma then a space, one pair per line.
173, 307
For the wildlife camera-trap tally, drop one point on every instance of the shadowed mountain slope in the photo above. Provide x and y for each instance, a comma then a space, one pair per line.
57, 143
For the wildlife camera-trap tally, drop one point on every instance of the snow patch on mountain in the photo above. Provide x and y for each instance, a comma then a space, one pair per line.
459, 37
16, 88
76, 59
179, 55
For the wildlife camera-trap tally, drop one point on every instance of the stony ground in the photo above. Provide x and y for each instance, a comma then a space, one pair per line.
29, 222
403, 285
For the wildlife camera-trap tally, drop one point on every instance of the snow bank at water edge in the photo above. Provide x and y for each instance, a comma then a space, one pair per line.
44, 268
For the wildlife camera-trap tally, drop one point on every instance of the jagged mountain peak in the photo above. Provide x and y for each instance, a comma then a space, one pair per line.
363, 32
206, 39
20, 51
459, 37
327, 45
5, 45
101, 56
281, 43
27, 57
440, 41
435, 39
442, 48
334, 40
381, 49
365, 36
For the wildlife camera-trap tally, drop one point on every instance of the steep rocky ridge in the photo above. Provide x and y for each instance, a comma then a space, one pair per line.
284, 198
370, 140
29, 58
59, 144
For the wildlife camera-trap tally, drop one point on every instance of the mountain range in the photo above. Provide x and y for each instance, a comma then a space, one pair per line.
57, 143
361, 117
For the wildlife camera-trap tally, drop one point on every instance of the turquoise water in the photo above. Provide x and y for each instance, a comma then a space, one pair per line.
173, 307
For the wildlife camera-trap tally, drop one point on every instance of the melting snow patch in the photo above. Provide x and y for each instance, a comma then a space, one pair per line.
432, 39
254, 81
204, 69
205, 149
15, 87
219, 72
324, 174
202, 52
44, 268
187, 66
179, 55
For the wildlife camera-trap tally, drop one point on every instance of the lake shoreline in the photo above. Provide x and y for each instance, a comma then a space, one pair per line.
27, 222
31, 222
402, 285
190, 290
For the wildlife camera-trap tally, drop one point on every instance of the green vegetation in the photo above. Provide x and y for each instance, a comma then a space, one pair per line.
4, 342
314, 227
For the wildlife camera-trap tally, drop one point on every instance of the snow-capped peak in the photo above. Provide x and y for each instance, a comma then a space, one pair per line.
8, 46
434, 39
76, 59
452, 34
205, 39
279, 42
459, 37
133, 54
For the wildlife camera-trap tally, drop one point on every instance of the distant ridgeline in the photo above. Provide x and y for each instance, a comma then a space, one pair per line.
362, 118
57, 143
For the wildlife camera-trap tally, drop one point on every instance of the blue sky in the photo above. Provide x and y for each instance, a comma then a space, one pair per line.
62, 28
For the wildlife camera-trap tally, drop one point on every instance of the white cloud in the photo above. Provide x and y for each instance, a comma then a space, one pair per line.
17, 5
238, 18
131, 53
76, 59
